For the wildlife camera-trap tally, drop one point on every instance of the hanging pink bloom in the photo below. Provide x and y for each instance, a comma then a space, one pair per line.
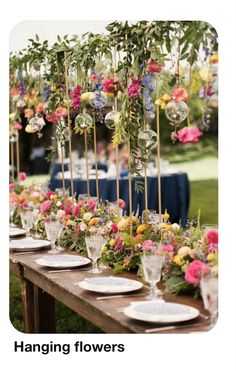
189, 134
45, 207
61, 111
153, 66
40, 108
111, 86
22, 176
75, 96
147, 245
11, 186
17, 126
52, 117
121, 203
134, 88
194, 270
180, 94
212, 236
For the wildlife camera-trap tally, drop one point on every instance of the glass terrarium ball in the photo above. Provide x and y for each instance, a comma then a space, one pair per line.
147, 139
98, 99
83, 121
13, 136
112, 119
63, 134
176, 111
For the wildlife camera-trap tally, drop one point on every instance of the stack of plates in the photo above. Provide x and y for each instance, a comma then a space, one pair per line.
160, 311
62, 261
15, 232
110, 285
28, 244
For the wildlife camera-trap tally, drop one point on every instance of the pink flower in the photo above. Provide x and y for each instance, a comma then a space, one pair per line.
114, 228
61, 111
68, 209
17, 126
22, 176
153, 66
92, 204
212, 236
119, 243
49, 194
189, 134
180, 94
134, 88
11, 186
121, 203
194, 270
52, 117
147, 245
76, 210
75, 96
45, 206
111, 86
168, 248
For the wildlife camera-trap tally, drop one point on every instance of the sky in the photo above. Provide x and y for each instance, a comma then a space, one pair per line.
48, 30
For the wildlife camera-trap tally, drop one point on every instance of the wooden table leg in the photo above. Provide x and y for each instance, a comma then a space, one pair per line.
44, 312
27, 294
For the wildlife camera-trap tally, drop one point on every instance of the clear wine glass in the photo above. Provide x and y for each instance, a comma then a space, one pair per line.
152, 268
53, 229
209, 293
94, 245
12, 208
36, 220
27, 220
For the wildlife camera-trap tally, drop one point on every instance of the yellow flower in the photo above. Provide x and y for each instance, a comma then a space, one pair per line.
112, 242
126, 264
93, 221
205, 73
85, 96
141, 228
166, 216
184, 251
158, 102
169, 227
123, 223
211, 257
41, 199
166, 97
177, 260
214, 58
105, 248
163, 105
69, 222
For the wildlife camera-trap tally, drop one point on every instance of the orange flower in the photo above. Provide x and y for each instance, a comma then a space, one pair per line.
141, 228
214, 58
93, 221
13, 92
180, 94
138, 238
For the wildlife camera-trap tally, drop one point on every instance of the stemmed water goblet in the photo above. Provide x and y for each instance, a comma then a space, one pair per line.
94, 245
209, 293
27, 220
53, 229
152, 263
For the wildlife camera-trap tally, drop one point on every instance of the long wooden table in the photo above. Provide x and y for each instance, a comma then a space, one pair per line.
40, 289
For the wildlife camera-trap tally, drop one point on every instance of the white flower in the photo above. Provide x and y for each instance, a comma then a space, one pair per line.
83, 227
87, 216
175, 226
58, 203
60, 214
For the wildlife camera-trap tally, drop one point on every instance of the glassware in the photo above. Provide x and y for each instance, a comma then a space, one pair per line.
53, 228
27, 220
152, 266
35, 222
176, 112
83, 197
94, 245
61, 192
12, 210
209, 293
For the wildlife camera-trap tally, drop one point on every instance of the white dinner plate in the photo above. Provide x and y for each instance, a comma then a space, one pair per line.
28, 244
110, 285
160, 311
62, 261
14, 231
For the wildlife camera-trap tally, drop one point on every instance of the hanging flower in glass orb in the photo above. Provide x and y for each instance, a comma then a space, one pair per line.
176, 112
83, 121
112, 119
147, 139
35, 125
98, 99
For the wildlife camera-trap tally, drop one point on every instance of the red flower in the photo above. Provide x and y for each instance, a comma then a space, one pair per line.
114, 228
153, 66
189, 134
22, 176
212, 236
111, 86
180, 94
49, 194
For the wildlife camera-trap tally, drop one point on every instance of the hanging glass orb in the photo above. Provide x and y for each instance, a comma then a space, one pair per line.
83, 121
13, 136
147, 139
35, 124
176, 111
98, 99
40, 123
112, 119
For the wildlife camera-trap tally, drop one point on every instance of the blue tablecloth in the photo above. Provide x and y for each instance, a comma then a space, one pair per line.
175, 193
57, 168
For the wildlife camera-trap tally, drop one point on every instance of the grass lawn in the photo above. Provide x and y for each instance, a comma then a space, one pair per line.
204, 195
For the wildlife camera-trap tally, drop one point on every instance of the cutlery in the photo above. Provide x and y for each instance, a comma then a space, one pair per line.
118, 296
157, 329
69, 270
